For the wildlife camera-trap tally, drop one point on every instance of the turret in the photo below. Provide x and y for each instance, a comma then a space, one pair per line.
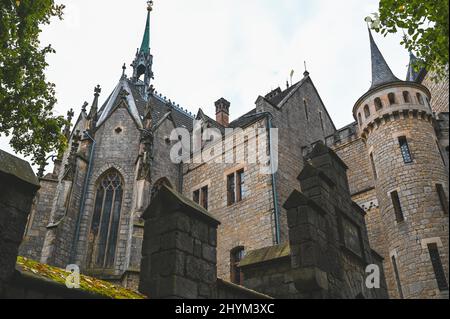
396, 122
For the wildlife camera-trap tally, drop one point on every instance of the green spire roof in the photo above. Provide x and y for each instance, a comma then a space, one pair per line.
145, 46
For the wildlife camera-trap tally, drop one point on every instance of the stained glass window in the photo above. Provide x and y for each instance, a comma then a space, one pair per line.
105, 220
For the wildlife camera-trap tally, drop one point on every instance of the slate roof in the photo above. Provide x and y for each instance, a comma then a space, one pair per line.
412, 75
161, 106
137, 106
381, 73
275, 100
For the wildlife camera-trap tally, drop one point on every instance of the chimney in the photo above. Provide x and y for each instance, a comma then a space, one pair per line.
222, 112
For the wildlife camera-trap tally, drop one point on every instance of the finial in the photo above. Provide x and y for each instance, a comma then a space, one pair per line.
97, 90
150, 6
70, 115
306, 73
83, 107
124, 68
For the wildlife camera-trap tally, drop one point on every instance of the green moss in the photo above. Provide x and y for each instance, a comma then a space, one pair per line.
87, 283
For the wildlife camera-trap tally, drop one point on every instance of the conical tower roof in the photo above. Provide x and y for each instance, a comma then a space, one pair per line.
381, 72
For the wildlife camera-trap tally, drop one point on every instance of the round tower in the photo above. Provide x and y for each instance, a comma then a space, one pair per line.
396, 122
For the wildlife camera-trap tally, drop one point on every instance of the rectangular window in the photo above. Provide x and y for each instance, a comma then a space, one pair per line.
236, 256
404, 148
235, 187
204, 197
374, 169
240, 185
196, 196
321, 121
231, 189
397, 277
397, 207
306, 109
442, 197
437, 267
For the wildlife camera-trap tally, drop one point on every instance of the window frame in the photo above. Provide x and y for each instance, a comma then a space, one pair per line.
438, 268
397, 205
442, 197
103, 256
405, 150
236, 256
200, 195
235, 186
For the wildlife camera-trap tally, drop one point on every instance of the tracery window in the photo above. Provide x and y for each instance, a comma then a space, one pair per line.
105, 220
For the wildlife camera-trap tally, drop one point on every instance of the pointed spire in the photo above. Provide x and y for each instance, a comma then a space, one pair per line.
142, 64
94, 107
381, 73
412, 74
145, 46
93, 116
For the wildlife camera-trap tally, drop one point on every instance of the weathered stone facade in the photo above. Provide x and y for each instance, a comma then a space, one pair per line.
322, 259
129, 138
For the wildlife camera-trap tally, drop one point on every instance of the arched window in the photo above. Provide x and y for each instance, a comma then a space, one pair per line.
105, 220
420, 99
378, 104
236, 256
366, 111
392, 99
406, 97
360, 119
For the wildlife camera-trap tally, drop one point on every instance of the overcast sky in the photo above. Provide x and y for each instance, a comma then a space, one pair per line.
205, 49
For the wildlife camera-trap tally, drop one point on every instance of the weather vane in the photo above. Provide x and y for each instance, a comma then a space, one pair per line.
150, 5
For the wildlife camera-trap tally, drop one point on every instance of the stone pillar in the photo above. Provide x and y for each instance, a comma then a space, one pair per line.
179, 249
18, 186
308, 234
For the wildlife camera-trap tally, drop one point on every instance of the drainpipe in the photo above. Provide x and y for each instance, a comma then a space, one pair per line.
274, 183
83, 198
269, 118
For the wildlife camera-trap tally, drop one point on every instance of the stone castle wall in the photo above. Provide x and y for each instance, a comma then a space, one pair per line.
248, 223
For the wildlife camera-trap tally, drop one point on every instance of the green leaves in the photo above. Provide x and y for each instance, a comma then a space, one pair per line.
26, 98
426, 24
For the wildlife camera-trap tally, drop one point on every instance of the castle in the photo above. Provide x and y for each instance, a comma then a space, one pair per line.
387, 189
